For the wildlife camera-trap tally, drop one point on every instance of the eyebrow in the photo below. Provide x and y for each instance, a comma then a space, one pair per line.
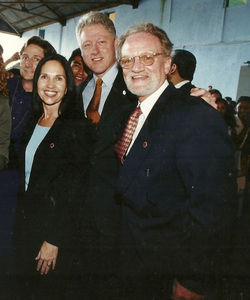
33, 56
77, 62
57, 75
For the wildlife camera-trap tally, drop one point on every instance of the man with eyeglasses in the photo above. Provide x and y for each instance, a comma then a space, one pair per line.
177, 182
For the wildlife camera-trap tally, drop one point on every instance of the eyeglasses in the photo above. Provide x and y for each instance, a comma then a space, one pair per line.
146, 58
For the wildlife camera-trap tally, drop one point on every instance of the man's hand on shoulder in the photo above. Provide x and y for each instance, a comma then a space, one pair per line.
204, 94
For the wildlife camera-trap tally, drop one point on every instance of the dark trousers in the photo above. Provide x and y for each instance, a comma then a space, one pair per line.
94, 268
147, 287
9, 181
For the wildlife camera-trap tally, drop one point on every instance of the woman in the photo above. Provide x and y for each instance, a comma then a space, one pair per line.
233, 122
54, 169
79, 69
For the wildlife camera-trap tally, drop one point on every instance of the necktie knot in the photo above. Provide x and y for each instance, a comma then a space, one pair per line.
122, 145
99, 82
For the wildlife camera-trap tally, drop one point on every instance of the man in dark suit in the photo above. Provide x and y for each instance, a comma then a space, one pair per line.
97, 259
183, 64
177, 180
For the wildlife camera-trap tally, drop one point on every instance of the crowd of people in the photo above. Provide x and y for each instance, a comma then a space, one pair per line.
117, 180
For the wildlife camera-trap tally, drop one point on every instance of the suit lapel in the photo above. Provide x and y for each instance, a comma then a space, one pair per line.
135, 157
144, 140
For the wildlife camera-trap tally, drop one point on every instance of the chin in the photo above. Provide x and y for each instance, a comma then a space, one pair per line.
137, 90
28, 77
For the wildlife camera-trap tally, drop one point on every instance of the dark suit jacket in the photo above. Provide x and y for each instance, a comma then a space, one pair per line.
49, 209
185, 89
178, 188
104, 172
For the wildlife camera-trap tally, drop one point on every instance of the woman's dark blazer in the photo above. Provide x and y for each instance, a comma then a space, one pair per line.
49, 209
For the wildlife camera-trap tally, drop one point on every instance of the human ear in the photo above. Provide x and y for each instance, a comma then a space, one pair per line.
167, 64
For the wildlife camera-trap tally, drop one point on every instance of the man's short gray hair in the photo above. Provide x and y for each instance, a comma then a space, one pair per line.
148, 28
95, 17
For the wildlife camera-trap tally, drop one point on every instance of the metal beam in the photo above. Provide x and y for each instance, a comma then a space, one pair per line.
6, 22
60, 19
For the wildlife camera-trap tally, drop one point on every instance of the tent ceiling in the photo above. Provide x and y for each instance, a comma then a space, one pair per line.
17, 17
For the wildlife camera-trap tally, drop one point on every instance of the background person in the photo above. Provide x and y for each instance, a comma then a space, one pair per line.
13, 58
183, 64
54, 157
216, 93
79, 68
233, 122
239, 286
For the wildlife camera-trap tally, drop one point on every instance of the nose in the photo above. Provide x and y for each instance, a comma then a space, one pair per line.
81, 70
138, 66
29, 62
95, 48
242, 109
50, 83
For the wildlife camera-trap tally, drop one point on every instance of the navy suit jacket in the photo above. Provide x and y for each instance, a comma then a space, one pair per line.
104, 172
185, 89
178, 189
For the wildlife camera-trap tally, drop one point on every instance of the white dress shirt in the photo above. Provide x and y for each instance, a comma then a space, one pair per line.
35, 140
180, 84
146, 107
108, 80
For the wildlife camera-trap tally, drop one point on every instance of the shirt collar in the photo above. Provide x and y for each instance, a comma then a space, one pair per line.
109, 78
180, 84
149, 102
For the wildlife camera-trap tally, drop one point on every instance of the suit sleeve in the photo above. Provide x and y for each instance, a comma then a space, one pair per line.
206, 164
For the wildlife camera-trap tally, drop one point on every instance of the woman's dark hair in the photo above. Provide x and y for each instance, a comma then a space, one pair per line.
229, 115
68, 107
243, 98
77, 52
214, 91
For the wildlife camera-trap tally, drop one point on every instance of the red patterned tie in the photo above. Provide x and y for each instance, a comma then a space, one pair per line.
124, 142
